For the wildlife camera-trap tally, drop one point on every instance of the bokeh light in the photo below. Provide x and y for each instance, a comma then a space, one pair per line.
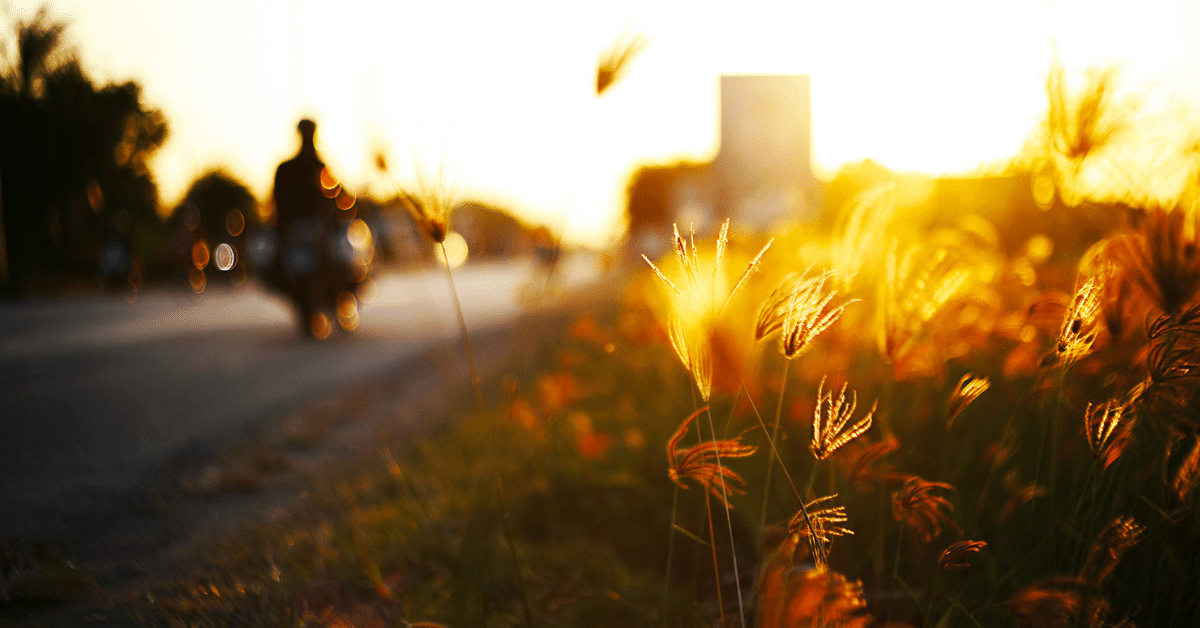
200, 254
224, 257
235, 222
197, 280
456, 250
319, 326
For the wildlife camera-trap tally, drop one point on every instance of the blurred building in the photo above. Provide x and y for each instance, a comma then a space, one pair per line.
762, 173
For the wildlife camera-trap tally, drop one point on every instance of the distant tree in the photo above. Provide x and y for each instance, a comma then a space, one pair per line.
216, 196
73, 161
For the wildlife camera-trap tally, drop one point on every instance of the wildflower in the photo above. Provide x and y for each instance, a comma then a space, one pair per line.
830, 419
1111, 545
613, 61
969, 387
701, 463
917, 506
955, 557
698, 304
821, 523
1100, 422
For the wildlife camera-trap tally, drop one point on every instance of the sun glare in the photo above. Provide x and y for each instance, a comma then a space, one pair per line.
929, 86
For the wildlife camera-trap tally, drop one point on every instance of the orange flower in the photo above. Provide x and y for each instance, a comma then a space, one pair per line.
701, 463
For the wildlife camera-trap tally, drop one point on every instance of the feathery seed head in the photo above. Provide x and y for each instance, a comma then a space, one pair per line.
917, 506
830, 418
698, 300
969, 387
1079, 326
957, 556
1111, 545
1100, 421
701, 463
821, 523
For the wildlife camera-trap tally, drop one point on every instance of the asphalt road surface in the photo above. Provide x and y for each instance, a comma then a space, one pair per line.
95, 391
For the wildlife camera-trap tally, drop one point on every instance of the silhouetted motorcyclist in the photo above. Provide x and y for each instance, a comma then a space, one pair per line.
305, 215
298, 193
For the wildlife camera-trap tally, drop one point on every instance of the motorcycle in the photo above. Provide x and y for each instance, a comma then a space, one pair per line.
320, 267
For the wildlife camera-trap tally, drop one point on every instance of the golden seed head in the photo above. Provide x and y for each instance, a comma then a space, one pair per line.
968, 389
830, 418
1100, 421
957, 556
702, 463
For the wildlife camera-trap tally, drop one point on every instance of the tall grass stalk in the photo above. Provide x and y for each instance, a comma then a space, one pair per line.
762, 521
512, 547
670, 557
815, 543
729, 523
466, 336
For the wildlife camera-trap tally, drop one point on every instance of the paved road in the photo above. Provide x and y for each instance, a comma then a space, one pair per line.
95, 391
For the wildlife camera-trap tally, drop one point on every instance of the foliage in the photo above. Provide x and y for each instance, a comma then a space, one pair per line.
73, 158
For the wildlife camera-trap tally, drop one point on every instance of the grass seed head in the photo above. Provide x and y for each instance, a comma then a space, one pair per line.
830, 418
698, 300
968, 389
1111, 545
1100, 422
822, 523
700, 463
615, 60
957, 557
919, 508
1079, 325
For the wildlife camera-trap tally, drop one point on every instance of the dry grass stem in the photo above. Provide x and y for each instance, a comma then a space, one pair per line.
1188, 474
830, 418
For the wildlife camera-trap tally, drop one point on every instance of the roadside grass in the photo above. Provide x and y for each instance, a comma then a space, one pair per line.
414, 531
982, 428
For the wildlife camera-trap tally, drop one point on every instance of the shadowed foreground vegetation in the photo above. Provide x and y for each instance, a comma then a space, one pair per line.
983, 430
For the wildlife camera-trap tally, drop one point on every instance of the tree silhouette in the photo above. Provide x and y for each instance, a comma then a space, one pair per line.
73, 161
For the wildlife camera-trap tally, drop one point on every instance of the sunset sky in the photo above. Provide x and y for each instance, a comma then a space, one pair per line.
938, 87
